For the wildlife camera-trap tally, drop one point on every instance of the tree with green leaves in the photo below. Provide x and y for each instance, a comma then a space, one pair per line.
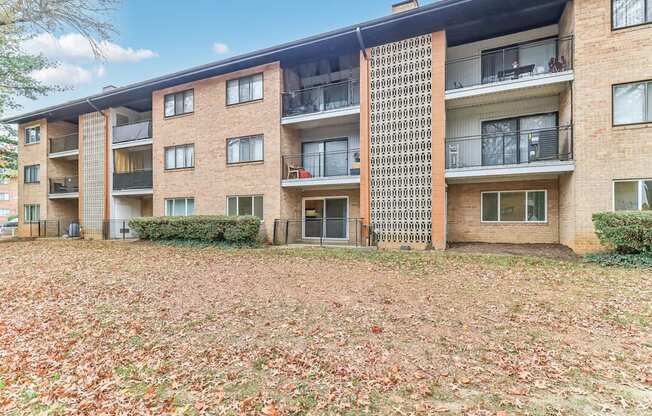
21, 20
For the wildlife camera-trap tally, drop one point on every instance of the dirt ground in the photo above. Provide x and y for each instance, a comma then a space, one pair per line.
141, 328
553, 251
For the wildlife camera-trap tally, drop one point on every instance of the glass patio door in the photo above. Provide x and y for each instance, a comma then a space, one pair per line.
326, 158
500, 142
325, 218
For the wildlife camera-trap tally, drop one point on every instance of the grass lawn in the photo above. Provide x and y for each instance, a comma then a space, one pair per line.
140, 328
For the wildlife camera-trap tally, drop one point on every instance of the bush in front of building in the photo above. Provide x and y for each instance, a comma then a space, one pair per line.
202, 228
625, 232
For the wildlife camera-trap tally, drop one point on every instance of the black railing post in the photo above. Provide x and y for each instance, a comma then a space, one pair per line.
321, 232
58, 228
124, 229
356, 232
287, 231
39, 228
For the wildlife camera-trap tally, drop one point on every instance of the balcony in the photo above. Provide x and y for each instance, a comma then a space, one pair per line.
539, 151
135, 134
66, 187
64, 146
341, 99
133, 183
335, 168
530, 64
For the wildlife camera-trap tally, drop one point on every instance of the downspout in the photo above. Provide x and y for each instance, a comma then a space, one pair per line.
358, 34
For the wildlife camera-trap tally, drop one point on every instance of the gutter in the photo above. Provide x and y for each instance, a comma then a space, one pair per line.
338, 33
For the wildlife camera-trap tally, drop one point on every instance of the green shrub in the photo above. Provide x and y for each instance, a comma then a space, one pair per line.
204, 228
622, 260
625, 232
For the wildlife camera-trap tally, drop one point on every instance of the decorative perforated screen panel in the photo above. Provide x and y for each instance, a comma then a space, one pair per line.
401, 140
92, 154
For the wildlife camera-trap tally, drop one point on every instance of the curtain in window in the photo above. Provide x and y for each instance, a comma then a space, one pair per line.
232, 91
169, 105
512, 206
539, 138
188, 101
257, 87
490, 207
646, 190
628, 12
536, 206
629, 103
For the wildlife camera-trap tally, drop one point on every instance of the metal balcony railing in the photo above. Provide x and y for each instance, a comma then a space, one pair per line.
322, 98
64, 143
518, 62
140, 179
527, 146
65, 185
322, 164
134, 131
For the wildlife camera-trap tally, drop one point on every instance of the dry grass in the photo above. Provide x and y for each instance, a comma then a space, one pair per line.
138, 328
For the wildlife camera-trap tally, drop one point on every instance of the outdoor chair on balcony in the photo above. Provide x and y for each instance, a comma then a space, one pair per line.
298, 172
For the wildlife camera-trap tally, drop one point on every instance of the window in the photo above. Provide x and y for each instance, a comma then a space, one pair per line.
4, 212
4, 196
179, 207
180, 157
514, 206
179, 103
245, 205
634, 195
627, 13
31, 174
632, 103
32, 135
245, 149
32, 213
244, 89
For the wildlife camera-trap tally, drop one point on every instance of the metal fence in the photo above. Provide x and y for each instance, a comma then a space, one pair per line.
139, 130
140, 179
68, 184
324, 232
511, 63
64, 143
322, 164
113, 229
321, 98
526, 146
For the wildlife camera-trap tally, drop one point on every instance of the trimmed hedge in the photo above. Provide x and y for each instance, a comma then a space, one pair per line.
625, 232
205, 228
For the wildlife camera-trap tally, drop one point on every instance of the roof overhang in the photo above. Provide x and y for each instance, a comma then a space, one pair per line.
464, 21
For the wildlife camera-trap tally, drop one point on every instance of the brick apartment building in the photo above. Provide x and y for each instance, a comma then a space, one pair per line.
8, 198
458, 121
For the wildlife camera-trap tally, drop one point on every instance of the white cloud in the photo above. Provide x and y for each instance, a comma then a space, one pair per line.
100, 71
221, 48
74, 46
65, 75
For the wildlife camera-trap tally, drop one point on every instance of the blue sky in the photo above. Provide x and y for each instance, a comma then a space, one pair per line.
159, 37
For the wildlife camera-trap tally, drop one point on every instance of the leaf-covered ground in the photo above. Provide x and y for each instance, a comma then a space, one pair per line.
139, 328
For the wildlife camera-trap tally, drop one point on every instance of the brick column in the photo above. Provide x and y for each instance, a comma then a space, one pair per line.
438, 140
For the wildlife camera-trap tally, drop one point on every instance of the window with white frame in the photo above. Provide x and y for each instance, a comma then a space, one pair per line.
244, 89
4, 196
179, 207
627, 13
32, 174
180, 157
515, 206
245, 149
633, 195
32, 134
632, 103
4, 212
32, 213
245, 205
179, 103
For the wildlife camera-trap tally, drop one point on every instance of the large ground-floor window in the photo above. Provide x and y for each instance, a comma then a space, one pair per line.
179, 207
515, 206
245, 205
633, 195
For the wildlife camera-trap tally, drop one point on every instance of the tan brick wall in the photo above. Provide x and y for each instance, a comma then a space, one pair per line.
209, 127
10, 188
464, 215
32, 154
603, 153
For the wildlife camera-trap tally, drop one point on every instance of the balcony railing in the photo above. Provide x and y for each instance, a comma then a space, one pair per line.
134, 131
521, 147
511, 63
322, 98
64, 143
140, 179
66, 185
322, 164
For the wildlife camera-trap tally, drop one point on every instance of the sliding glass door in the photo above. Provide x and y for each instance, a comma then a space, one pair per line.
327, 218
326, 158
520, 140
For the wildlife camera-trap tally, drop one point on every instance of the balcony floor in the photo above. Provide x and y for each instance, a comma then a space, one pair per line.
68, 155
333, 182
64, 195
324, 118
539, 170
522, 88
